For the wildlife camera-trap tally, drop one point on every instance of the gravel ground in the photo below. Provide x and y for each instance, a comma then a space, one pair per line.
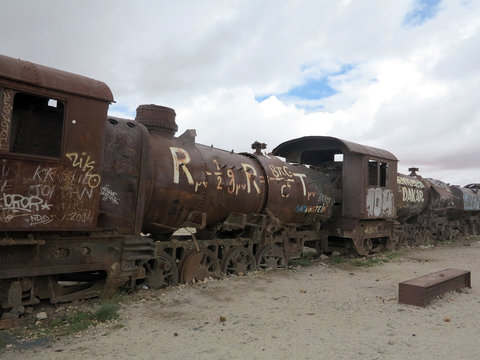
323, 311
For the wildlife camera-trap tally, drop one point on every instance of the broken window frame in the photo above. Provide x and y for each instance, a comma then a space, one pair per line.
40, 132
377, 173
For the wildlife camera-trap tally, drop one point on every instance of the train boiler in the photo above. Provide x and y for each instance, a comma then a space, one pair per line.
243, 210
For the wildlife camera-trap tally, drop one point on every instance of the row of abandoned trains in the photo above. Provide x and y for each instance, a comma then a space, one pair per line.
90, 203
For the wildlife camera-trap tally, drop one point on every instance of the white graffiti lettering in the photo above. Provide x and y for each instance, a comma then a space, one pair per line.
6, 115
412, 195
251, 175
301, 176
38, 219
410, 182
180, 159
379, 202
44, 174
18, 202
109, 195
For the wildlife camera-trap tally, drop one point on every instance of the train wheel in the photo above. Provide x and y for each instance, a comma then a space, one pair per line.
427, 237
416, 238
395, 241
199, 265
161, 272
451, 234
271, 256
238, 261
402, 239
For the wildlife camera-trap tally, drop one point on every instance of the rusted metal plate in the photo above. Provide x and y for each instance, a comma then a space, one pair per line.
421, 290
121, 205
39, 75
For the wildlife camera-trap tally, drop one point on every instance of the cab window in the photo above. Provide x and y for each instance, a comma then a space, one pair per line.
377, 173
36, 126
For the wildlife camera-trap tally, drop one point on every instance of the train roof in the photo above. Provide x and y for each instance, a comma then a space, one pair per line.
325, 147
53, 79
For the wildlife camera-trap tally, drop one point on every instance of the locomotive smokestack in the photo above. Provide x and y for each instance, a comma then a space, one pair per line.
157, 119
413, 171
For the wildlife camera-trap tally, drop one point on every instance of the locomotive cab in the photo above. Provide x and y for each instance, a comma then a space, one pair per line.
364, 178
52, 129
51, 146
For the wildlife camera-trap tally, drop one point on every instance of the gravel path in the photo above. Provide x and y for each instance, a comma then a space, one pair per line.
324, 311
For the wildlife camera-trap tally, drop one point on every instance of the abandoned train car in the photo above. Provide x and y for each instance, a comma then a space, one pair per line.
90, 202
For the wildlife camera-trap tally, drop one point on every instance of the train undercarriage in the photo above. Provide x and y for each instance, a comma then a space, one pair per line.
66, 268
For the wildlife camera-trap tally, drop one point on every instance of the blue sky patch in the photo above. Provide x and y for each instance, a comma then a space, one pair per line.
312, 88
121, 109
423, 10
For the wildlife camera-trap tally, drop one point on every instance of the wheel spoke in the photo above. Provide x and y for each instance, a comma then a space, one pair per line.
161, 272
238, 261
199, 265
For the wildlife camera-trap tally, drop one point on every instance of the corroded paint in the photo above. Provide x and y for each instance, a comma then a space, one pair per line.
6, 115
40, 195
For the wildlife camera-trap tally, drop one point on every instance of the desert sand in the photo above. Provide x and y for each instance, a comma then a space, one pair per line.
323, 311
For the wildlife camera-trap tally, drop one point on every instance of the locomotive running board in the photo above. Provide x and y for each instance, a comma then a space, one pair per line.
421, 290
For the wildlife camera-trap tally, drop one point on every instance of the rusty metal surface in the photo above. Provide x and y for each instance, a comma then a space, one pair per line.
421, 290
191, 180
161, 272
39, 75
8, 323
317, 149
122, 187
271, 257
238, 260
442, 197
45, 187
413, 196
296, 194
199, 265
78, 190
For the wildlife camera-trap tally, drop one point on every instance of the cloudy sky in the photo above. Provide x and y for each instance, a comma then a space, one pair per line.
402, 75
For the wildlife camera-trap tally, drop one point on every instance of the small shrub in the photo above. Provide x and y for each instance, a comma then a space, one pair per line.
338, 260
107, 312
303, 261
76, 322
376, 260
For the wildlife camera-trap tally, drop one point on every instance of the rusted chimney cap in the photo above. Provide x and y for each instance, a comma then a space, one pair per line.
157, 118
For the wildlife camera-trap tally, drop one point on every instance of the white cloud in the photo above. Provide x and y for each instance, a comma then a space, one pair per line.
410, 89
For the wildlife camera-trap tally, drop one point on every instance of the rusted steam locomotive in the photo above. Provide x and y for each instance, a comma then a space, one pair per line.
89, 202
